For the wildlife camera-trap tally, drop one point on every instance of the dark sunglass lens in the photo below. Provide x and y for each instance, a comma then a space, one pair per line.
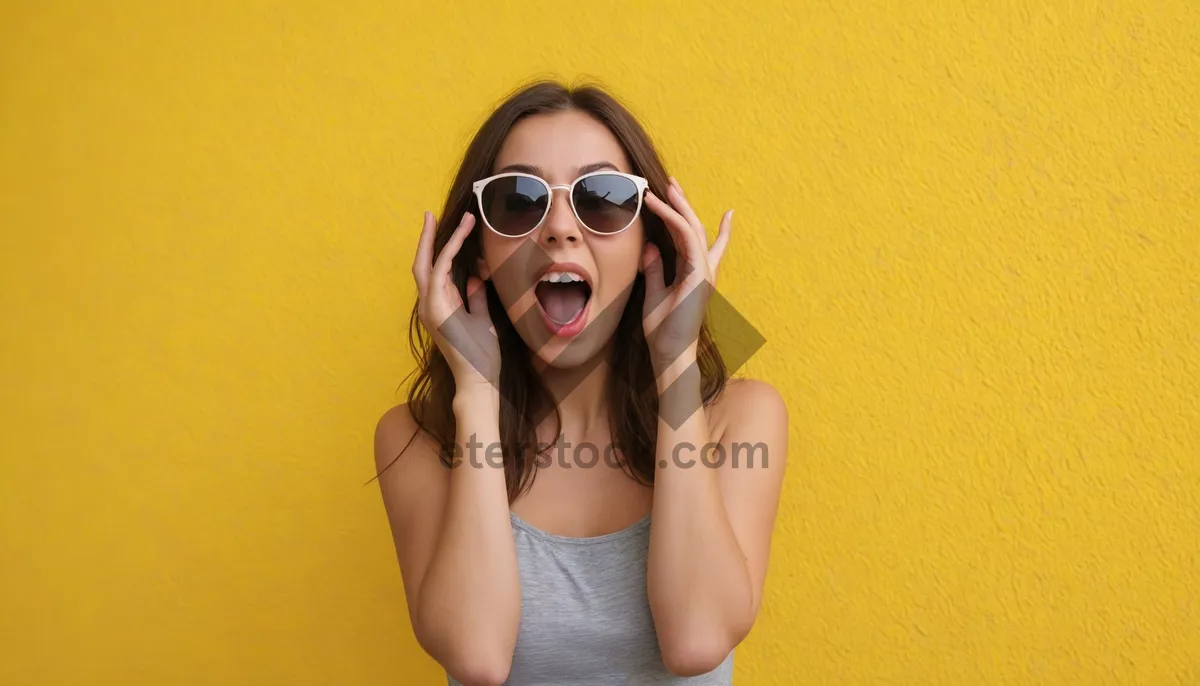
514, 205
606, 203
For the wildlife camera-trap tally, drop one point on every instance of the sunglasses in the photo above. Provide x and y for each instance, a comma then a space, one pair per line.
514, 204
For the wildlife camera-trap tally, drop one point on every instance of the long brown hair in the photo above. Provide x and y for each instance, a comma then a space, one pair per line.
632, 395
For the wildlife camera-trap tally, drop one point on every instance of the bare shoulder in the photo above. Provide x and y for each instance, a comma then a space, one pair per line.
750, 422
413, 483
406, 461
396, 432
748, 402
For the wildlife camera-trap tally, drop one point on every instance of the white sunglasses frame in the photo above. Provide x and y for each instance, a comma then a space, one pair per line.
641, 183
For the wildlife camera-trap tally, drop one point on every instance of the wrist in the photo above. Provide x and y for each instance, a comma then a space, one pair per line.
476, 397
682, 367
680, 394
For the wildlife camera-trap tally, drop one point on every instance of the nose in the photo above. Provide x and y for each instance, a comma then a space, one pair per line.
560, 226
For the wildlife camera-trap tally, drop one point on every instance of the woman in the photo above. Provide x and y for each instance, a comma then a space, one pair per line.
578, 355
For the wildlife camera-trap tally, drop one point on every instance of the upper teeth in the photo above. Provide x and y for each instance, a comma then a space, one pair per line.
561, 277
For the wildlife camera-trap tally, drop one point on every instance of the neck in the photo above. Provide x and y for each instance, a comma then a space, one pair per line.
581, 394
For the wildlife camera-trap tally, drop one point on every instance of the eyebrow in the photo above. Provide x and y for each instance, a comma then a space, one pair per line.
536, 171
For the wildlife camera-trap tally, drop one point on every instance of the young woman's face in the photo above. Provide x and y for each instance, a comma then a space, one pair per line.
565, 324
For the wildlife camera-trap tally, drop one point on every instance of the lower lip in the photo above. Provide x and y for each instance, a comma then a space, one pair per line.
571, 328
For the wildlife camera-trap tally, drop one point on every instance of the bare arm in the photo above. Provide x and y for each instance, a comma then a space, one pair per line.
712, 522
451, 526
454, 541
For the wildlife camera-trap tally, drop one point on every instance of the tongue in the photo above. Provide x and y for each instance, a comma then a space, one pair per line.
562, 301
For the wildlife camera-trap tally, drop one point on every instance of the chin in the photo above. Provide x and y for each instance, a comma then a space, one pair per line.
563, 353
563, 356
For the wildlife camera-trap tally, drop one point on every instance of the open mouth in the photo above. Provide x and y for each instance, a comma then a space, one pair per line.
563, 297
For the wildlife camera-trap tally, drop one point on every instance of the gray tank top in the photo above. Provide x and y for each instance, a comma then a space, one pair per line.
585, 620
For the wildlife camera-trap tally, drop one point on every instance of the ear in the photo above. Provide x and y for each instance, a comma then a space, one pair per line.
482, 270
642, 257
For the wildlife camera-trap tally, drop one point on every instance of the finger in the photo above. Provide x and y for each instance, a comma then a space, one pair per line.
718, 249
462, 338
423, 260
441, 268
679, 200
686, 242
656, 289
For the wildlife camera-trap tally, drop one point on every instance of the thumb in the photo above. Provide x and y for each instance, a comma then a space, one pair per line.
476, 296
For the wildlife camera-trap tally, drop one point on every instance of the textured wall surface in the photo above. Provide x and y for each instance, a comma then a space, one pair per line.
971, 238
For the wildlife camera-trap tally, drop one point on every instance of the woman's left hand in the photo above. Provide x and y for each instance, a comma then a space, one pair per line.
673, 314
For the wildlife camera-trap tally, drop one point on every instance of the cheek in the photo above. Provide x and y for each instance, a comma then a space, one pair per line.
620, 262
495, 253
632, 247
505, 262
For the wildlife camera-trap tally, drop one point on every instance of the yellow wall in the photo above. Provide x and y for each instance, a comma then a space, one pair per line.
969, 236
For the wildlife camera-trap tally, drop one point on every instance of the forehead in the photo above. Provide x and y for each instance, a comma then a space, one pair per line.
559, 144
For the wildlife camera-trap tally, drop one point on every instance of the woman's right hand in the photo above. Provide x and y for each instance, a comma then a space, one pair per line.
462, 331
